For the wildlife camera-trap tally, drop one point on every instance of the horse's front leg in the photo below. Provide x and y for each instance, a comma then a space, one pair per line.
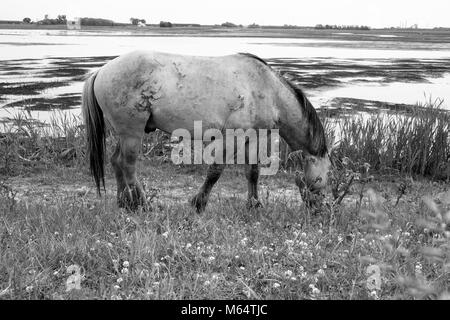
252, 175
129, 191
200, 200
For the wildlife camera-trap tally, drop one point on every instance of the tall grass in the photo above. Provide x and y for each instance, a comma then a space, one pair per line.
415, 143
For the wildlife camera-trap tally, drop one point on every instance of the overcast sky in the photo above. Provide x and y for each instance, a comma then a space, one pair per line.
375, 13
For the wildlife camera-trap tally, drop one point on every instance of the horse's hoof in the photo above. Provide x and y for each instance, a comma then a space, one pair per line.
199, 203
253, 203
131, 198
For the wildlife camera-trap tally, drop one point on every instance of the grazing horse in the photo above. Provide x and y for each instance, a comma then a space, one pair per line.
142, 91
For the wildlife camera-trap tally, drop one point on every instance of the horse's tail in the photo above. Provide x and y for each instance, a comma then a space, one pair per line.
95, 132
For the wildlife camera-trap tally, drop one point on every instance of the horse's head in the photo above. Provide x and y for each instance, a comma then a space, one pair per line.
316, 171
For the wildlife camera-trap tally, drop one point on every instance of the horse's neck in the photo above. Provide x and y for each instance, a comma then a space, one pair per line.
294, 126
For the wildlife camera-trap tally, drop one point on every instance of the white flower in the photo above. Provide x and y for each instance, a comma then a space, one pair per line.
116, 287
276, 285
188, 245
29, 289
125, 270
373, 294
314, 289
165, 234
119, 280
288, 273
211, 259
207, 283
156, 265
320, 272
418, 268
126, 264
244, 241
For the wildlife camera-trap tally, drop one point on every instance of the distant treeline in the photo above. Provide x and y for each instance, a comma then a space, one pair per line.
10, 22
97, 22
336, 27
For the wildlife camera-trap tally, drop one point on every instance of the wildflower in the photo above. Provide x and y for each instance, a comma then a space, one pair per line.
109, 244
345, 161
242, 267
374, 295
29, 289
188, 245
56, 233
207, 283
340, 238
156, 265
247, 292
314, 290
126, 264
124, 270
418, 268
127, 220
288, 273
289, 243
119, 280
276, 285
116, 287
165, 234
294, 278
211, 259
69, 235
320, 272
320, 232
244, 241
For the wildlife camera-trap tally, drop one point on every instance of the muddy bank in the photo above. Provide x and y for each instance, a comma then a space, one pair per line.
318, 73
45, 84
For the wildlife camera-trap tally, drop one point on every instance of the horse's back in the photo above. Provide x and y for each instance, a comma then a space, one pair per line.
234, 91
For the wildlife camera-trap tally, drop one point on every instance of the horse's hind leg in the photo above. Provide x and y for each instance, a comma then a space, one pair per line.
121, 185
252, 175
132, 195
201, 199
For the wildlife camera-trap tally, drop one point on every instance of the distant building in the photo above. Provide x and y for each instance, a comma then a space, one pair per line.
74, 24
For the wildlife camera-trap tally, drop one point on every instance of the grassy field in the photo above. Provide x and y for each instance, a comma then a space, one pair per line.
381, 232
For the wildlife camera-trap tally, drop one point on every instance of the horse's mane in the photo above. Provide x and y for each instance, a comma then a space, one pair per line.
317, 133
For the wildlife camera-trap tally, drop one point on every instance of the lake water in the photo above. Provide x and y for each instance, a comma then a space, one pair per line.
42, 44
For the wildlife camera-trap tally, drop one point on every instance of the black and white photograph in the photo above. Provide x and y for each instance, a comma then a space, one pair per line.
235, 151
